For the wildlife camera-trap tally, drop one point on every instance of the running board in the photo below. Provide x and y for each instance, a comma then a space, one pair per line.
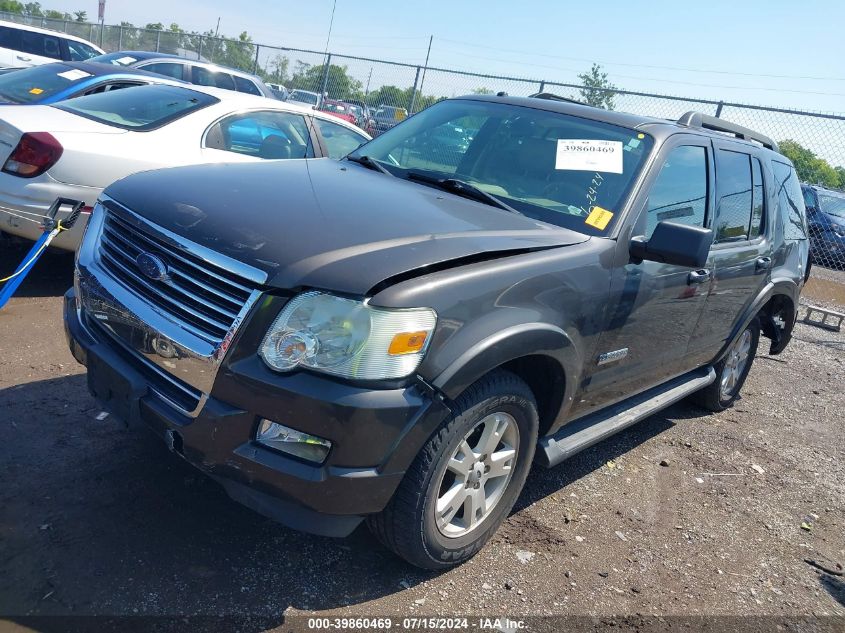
583, 433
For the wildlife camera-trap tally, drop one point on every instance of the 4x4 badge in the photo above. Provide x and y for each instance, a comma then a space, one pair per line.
612, 357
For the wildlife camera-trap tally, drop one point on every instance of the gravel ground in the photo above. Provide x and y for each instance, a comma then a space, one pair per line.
685, 513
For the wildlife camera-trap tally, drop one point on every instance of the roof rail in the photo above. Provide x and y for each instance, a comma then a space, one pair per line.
707, 122
553, 97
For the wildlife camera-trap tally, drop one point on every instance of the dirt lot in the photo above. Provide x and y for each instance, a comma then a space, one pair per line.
686, 513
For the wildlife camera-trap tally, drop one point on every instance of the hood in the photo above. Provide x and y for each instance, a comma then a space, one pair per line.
324, 224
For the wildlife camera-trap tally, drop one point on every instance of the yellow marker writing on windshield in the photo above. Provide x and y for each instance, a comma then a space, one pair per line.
599, 218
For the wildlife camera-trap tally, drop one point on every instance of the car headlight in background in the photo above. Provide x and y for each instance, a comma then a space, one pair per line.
348, 338
838, 229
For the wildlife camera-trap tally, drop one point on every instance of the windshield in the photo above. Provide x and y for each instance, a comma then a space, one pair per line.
118, 59
561, 169
32, 85
832, 205
143, 108
304, 97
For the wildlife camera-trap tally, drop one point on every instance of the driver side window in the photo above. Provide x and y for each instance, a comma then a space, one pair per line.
680, 192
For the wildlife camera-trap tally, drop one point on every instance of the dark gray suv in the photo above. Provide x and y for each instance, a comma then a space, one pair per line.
402, 333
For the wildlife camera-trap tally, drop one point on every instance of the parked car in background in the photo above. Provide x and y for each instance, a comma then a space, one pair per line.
306, 97
198, 73
358, 112
386, 117
279, 91
50, 83
128, 58
826, 218
75, 148
338, 109
22, 45
399, 336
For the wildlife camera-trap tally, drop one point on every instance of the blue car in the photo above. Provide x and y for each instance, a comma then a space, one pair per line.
128, 58
826, 219
58, 81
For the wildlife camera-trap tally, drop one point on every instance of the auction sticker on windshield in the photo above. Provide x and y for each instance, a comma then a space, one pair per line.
589, 155
73, 75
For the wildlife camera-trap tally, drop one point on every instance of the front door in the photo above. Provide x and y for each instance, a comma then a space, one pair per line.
741, 255
655, 306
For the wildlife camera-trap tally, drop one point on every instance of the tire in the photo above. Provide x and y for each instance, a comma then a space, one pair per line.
446, 477
724, 391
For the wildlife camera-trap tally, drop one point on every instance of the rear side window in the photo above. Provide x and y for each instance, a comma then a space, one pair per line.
269, 134
680, 192
339, 140
734, 188
757, 201
165, 68
790, 202
245, 85
40, 44
204, 77
141, 109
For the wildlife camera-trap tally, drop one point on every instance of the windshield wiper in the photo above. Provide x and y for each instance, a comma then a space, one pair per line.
370, 163
464, 189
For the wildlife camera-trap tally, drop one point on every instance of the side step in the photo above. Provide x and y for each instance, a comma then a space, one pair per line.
583, 433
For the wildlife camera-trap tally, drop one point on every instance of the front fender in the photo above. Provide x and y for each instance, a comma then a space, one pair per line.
503, 346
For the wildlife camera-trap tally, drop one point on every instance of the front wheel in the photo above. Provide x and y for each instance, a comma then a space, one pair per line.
467, 477
731, 371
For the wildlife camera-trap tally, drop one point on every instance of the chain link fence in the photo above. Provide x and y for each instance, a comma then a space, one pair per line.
392, 91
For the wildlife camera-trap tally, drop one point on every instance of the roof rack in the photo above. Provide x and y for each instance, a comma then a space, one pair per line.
707, 122
553, 97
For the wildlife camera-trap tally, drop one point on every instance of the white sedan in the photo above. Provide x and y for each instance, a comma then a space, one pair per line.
76, 148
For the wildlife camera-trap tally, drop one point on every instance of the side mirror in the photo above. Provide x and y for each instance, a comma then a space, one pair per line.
673, 243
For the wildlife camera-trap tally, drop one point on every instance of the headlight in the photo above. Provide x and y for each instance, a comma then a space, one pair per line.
348, 338
838, 229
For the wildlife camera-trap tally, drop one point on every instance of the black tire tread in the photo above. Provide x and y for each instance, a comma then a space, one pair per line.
391, 526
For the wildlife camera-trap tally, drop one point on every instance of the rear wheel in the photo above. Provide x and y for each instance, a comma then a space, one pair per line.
731, 371
466, 479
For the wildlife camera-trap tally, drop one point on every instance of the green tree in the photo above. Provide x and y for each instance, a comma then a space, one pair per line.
339, 83
33, 8
597, 90
390, 95
52, 14
840, 171
482, 90
277, 70
80, 16
11, 6
811, 168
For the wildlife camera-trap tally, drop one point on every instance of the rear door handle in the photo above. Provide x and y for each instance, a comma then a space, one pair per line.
24, 59
698, 277
762, 263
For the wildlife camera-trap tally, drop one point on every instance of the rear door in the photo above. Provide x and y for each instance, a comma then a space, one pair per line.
741, 254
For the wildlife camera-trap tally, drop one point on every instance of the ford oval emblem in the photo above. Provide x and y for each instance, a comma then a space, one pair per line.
152, 266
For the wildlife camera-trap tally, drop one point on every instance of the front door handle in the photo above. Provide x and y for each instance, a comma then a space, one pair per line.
24, 59
698, 277
762, 263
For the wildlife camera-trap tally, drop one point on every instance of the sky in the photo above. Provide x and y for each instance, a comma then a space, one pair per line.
777, 52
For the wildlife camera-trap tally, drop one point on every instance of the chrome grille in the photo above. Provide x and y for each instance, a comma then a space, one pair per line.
206, 299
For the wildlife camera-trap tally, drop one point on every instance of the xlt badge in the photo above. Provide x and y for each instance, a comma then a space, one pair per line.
612, 357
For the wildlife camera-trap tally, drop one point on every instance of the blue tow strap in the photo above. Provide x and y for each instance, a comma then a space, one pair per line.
51, 229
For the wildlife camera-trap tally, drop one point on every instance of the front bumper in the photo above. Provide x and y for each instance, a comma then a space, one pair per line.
383, 428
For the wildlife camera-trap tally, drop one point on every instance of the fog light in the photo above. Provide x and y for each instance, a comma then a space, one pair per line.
282, 438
